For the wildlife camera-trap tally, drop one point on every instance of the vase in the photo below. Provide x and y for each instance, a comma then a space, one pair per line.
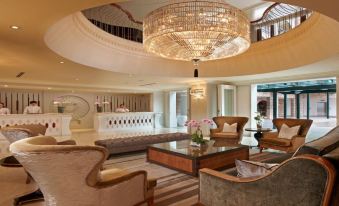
259, 126
99, 109
194, 144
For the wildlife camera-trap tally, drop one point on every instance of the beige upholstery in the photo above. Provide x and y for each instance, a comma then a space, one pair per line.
18, 132
70, 175
229, 137
271, 140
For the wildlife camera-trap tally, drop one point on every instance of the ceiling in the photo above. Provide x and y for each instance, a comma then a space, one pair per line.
139, 9
24, 50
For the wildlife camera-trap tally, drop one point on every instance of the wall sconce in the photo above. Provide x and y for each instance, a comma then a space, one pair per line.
197, 93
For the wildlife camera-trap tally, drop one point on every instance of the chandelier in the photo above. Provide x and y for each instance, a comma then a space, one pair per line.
196, 30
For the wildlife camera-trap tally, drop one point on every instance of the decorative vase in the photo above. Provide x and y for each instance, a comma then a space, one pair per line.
259, 126
99, 109
61, 109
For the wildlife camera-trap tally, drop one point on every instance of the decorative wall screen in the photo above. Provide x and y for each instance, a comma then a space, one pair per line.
16, 101
135, 103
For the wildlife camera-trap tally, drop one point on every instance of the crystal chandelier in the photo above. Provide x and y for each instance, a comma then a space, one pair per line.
196, 30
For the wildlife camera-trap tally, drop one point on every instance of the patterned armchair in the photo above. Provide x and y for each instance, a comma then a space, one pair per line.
218, 135
271, 140
70, 175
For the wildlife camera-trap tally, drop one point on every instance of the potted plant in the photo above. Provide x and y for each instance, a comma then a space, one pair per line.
60, 105
197, 138
259, 119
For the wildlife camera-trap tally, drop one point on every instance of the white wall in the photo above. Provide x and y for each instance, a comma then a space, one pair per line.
158, 105
84, 123
245, 95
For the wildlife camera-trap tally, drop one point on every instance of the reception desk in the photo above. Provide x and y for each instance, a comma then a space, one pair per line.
56, 124
106, 122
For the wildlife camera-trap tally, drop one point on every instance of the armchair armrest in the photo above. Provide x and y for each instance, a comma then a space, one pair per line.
296, 142
67, 142
270, 134
127, 188
214, 130
221, 189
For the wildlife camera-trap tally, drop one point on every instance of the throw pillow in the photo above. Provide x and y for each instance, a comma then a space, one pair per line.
230, 128
287, 132
253, 169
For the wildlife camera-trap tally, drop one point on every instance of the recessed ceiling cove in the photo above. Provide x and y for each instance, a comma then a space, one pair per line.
85, 39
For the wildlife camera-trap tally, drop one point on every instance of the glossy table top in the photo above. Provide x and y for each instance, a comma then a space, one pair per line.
183, 147
258, 129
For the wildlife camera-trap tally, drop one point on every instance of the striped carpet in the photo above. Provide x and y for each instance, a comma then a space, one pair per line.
173, 188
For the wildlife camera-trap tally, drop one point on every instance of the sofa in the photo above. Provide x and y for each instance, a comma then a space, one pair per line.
138, 143
309, 177
228, 137
271, 140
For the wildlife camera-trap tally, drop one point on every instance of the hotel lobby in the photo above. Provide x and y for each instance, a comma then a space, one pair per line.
171, 102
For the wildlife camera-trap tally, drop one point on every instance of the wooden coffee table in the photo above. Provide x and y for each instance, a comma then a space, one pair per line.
179, 155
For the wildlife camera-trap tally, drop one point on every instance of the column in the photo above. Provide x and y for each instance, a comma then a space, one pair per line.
285, 106
297, 97
308, 106
327, 105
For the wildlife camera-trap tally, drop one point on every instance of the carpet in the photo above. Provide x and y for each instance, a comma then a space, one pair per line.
173, 188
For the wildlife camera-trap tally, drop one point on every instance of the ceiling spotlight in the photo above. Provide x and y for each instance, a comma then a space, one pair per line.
49, 88
61, 62
5, 85
14, 27
76, 79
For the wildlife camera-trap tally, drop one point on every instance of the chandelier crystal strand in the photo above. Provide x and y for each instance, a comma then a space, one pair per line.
196, 29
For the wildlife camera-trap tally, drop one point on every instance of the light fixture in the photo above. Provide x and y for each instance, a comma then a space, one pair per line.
49, 88
197, 93
76, 79
5, 85
196, 29
14, 27
61, 62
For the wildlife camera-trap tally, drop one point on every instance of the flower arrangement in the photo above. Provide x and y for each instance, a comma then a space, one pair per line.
259, 119
197, 136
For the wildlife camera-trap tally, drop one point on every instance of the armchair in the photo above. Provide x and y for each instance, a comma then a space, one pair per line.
70, 175
271, 140
287, 185
235, 138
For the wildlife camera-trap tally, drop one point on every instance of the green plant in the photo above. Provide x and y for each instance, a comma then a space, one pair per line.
198, 138
259, 118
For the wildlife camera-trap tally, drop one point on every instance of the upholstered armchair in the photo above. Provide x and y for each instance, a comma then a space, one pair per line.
229, 137
271, 140
18, 132
286, 185
71, 175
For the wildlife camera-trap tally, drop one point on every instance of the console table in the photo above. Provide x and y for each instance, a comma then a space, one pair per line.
105, 122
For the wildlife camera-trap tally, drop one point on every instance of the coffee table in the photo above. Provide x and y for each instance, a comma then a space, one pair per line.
179, 155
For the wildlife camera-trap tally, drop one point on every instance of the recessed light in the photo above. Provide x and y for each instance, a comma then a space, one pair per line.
14, 27
61, 62
76, 79
49, 88
5, 85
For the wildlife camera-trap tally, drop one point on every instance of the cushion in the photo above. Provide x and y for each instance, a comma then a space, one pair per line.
230, 128
287, 132
253, 169
277, 141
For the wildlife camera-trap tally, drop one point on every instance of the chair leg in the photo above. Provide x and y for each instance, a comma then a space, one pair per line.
150, 201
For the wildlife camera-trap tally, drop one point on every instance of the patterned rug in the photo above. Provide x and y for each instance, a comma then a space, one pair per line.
173, 187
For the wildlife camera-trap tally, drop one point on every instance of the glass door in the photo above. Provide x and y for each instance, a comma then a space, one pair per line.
226, 100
